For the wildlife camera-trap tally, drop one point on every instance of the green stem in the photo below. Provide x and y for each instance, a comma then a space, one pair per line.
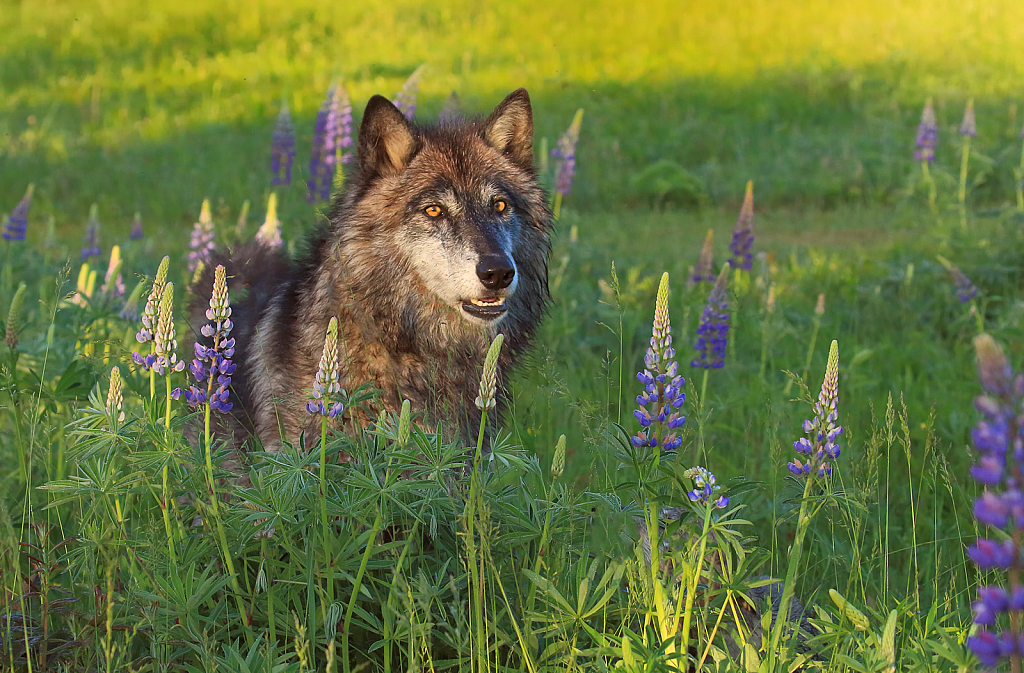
557, 209
1020, 183
323, 507
931, 184
355, 591
477, 588
692, 590
164, 498
962, 194
803, 523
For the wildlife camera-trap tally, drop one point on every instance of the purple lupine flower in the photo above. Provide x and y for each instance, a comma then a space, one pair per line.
713, 332
282, 148
151, 313
969, 127
405, 100
927, 134
819, 446
327, 381
164, 358
212, 367
16, 225
997, 437
962, 285
706, 487
565, 153
136, 233
318, 186
704, 269
663, 396
92, 234
201, 245
743, 233
338, 129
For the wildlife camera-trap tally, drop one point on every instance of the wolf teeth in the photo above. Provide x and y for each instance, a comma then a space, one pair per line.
481, 302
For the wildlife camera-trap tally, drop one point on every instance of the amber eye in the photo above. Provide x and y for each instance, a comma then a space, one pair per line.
432, 211
500, 206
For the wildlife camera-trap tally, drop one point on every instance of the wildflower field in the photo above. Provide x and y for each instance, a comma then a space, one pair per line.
772, 422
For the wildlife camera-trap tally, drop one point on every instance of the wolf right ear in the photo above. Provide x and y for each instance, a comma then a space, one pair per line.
509, 129
386, 140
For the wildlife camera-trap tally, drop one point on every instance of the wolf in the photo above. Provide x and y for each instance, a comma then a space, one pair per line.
438, 242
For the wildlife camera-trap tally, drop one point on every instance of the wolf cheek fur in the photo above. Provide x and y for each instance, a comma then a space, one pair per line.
439, 242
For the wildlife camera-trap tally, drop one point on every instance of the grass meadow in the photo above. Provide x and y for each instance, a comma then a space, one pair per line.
125, 545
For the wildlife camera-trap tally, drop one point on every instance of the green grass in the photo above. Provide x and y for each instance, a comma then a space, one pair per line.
154, 107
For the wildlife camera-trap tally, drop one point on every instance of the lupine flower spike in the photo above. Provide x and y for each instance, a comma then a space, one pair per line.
968, 130
136, 233
819, 446
113, 283
1001, 506
201, 245
1020, 177
269, 233
565, 154
327, 381
405, 101
558, 462
16, 225
282, 148
927, 140
115, 396
212, 367
713, 332
704, 269
962, 285
318, 169
13, 324
663, 396
743, 234
92, 234
151, 315
706, 488
164, 344
130, 310
489, 377
338, 134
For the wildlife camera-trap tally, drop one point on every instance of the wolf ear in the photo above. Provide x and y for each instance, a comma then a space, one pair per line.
509, 129
386, 139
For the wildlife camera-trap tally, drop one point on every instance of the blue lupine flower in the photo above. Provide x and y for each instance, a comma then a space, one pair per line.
565, 153
405, 101
927, 134
164, 358
327, 381
16, 225
998, 440
92, 235
742, 243
136, 233
212, 367
704, 269
819, 446
338, 129
713, 332
282, 148
706, 487
962, 285
663, 396
321, 176
201, 245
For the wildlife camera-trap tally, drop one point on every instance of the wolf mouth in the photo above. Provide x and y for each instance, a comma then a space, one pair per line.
485, 308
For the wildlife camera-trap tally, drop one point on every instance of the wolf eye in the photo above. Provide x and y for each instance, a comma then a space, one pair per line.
432, 211
500, 206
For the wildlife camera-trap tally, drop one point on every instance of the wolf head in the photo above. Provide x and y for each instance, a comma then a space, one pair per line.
453, 213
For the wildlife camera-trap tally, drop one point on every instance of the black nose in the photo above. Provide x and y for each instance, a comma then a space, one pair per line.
495, 272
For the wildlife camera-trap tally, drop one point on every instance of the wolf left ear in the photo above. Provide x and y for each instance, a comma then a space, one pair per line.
386, 140
509, 129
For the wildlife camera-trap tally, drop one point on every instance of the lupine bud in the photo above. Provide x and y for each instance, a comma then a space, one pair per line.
269, 233
927, 134
405, 101
404, 423
212, 367
136, 233
115, 397
92, 234
822, 432
856, 617
164, 341
565, 152
704, 269
993, 367
113, 283
201, 245
969, 126
819, 308
282, 148
130, 310
558, 462
489, 377
663, 396
14, 317
151, 313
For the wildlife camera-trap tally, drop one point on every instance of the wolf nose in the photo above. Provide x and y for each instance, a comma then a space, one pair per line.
495, 272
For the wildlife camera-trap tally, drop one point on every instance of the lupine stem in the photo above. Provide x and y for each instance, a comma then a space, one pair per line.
962, 194
557, 208
323, 506
931, 184
477, 587
1020, 182
692, 590
803, 523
